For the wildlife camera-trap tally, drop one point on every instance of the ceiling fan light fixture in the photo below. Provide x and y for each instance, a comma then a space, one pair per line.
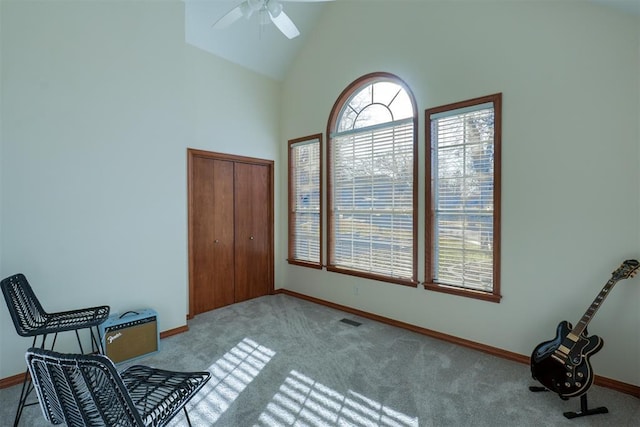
255, 5
246, 10
274, 7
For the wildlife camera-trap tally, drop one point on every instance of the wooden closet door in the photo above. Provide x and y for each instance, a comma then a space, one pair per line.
212, 234
253, 231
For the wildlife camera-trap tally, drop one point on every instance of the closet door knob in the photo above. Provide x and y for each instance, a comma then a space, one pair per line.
251, 238
216, 241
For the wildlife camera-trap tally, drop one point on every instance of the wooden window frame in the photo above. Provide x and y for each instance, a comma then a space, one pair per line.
344, 97
291, 258
429, 282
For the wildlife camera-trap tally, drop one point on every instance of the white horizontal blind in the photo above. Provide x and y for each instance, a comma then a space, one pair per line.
372, 183
305, 176
463, 162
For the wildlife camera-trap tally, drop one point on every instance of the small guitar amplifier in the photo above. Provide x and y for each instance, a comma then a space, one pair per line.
130, 335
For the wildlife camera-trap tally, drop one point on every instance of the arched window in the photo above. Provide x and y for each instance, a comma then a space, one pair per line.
372, 173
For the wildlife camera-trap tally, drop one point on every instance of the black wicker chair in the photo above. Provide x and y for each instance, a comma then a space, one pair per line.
31, 320
87, 390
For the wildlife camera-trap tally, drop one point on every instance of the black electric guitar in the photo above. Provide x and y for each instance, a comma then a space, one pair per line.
562, 364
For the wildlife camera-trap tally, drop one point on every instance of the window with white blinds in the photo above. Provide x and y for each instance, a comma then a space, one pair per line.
464, 199
305, 200
372, 163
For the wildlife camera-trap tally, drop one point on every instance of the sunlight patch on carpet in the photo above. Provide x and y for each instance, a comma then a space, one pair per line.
230, 375
304, 401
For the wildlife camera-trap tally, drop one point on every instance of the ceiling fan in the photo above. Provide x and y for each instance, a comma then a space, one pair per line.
267, 10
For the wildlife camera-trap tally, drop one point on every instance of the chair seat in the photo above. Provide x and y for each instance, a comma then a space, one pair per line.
72, 320
30, 319
159, 394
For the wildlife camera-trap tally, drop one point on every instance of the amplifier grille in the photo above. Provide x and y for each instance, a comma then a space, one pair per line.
128, 340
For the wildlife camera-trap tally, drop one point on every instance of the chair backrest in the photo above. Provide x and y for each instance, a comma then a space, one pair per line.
80, 390
26, 312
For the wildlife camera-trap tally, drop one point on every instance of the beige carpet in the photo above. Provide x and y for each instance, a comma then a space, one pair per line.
282, 361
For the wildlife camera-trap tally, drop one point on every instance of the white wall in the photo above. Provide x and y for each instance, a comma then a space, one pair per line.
101, 101
569, 74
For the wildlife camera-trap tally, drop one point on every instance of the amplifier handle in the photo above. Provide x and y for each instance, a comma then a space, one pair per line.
127, 312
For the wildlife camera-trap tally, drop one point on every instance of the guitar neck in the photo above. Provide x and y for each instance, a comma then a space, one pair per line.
595, 305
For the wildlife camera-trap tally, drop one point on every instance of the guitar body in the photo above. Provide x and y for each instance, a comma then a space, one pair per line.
562, 364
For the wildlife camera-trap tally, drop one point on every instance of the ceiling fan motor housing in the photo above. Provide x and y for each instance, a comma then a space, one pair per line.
269, 10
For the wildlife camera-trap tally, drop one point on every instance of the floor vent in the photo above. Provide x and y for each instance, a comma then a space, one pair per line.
351, 322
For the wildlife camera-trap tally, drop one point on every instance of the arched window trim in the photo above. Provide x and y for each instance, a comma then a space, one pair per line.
334, 117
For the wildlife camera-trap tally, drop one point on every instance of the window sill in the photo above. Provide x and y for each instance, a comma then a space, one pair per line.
366, 275
485, 296
308, 264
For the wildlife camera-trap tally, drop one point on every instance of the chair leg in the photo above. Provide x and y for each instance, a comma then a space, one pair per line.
96, 340
186, 414
96, 343
79, 342
27, 387
55, 337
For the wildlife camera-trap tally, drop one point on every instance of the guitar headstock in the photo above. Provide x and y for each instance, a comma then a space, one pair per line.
627, 269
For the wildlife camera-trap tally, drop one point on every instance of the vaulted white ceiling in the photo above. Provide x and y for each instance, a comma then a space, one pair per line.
262, 48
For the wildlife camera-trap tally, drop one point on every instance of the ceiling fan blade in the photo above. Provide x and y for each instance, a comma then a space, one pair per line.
232, 16
285, 24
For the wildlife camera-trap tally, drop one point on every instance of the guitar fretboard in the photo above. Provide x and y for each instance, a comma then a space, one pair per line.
595, 305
